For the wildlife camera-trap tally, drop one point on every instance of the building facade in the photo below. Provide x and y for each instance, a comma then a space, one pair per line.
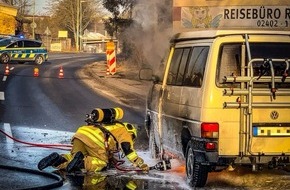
260, 14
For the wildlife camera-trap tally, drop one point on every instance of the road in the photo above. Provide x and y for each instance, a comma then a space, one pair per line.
47, 109
49, 102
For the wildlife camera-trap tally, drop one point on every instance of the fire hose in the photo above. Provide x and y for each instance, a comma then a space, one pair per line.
160, 166
54, 146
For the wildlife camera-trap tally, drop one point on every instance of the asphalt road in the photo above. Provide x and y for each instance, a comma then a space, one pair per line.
49, 102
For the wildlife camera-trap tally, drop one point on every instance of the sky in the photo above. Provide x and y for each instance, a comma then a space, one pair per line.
39, 5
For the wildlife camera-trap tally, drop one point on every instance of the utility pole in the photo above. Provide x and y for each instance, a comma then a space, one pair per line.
33, 23
81, 24
78, 26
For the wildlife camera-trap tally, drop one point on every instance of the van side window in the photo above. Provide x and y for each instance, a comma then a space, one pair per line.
177, 66
195, 70
230, 61
182, 66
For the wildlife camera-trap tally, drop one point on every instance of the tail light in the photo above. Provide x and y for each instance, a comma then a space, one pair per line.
209, 130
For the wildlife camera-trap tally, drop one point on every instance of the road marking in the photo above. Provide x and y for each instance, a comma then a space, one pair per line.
2, 96
7, 129
4, 78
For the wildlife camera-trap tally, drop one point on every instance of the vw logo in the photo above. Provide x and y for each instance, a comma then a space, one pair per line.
274, 115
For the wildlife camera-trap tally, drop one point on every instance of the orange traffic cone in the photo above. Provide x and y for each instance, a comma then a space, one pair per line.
60, 75
35, 72
7, 70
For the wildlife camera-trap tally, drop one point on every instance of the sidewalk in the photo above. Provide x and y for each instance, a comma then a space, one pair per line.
124, 86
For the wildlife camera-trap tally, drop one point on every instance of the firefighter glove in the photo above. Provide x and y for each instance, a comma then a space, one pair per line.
144, 167
139, 162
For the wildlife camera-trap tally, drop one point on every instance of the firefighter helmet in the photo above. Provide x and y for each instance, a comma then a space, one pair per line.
131, 129
108, 115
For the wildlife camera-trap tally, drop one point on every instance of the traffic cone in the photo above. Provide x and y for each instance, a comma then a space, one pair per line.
60, 75
35, 72
7, 70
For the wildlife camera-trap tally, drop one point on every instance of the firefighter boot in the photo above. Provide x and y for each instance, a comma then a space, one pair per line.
54, 159
77, 163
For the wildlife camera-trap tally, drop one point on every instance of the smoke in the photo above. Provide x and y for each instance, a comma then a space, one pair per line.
151, 31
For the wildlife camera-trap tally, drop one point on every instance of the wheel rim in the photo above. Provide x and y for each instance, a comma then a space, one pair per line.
5, 58
39, 60
190, 163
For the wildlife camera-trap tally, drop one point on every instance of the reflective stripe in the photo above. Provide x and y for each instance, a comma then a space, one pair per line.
23, 55
91, 134
101, 115
131, 185
31, 55
119, 113
97, 180
132, 156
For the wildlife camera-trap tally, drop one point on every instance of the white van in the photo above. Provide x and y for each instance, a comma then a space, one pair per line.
223, 100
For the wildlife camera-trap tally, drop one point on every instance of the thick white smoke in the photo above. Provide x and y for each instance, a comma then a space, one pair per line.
151, 31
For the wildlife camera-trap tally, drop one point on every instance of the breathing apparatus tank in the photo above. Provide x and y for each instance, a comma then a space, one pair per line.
107, 115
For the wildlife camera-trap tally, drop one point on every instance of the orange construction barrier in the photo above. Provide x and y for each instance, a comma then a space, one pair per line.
7, 70
35, 72
60, 75
111, 57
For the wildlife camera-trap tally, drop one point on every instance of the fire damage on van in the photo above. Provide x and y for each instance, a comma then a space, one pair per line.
238, 111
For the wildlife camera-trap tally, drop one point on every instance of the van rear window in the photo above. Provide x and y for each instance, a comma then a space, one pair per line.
231, 56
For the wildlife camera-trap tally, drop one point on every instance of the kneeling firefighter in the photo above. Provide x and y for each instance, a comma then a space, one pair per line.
94, 144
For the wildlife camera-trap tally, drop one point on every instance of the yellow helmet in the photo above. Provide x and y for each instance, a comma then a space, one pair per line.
131, 129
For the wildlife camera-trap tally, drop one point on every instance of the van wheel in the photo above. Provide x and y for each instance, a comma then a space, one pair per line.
196, 173
39, 59
4, 58
153, 148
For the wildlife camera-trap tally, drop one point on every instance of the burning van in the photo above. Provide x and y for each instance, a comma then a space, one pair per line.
223, 100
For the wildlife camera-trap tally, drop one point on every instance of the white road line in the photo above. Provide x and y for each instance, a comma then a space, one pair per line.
7, 129
4, 78
2, 96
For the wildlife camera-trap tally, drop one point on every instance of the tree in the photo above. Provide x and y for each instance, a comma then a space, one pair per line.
121, 11
64, 13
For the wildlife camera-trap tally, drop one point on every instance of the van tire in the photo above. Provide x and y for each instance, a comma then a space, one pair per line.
153, 148
39, 59
196, 173
4, 58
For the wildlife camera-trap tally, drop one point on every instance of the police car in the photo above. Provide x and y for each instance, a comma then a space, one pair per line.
22, 50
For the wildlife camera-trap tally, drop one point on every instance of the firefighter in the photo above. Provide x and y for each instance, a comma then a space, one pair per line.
94, 144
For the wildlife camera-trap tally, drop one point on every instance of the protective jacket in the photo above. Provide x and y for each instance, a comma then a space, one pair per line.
98, 145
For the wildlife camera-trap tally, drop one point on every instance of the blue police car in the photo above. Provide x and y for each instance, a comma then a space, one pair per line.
22, 50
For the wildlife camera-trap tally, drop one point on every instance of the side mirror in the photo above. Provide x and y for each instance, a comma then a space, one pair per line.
145, 74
